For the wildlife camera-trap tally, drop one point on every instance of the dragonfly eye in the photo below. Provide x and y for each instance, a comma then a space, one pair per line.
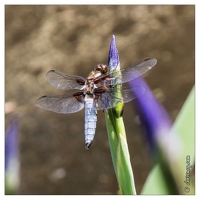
102, 68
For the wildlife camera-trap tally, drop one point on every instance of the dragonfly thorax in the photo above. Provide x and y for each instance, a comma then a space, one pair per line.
89, 87
98, 71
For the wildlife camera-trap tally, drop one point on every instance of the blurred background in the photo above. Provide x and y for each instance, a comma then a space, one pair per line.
73, 39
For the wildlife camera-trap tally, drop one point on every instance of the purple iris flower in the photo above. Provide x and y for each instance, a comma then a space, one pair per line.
113, 56
153, 117
11, 141
12, 154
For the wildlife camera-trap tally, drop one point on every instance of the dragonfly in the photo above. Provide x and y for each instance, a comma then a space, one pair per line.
96, 92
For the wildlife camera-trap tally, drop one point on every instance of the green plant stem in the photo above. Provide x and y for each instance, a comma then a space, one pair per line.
119, 151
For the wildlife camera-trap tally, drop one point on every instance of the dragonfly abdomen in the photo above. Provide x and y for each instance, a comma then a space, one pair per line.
90, 120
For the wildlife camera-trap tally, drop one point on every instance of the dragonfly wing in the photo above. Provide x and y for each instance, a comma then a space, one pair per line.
106, 101
60, 103
109, 99
129, 93
130, 73
63, 81
137, 70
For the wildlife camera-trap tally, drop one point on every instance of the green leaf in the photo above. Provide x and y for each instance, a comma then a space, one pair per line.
155, 183
185, 126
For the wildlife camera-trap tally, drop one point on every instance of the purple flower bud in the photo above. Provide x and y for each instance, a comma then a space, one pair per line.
11, 139
12, 155
154, 119
113, 56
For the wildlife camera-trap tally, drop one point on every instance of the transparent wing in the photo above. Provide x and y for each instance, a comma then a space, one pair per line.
63, 81
130, 73
109, 99
134, 71
60, 103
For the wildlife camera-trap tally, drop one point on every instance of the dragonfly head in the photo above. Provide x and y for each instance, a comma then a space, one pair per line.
102, 68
